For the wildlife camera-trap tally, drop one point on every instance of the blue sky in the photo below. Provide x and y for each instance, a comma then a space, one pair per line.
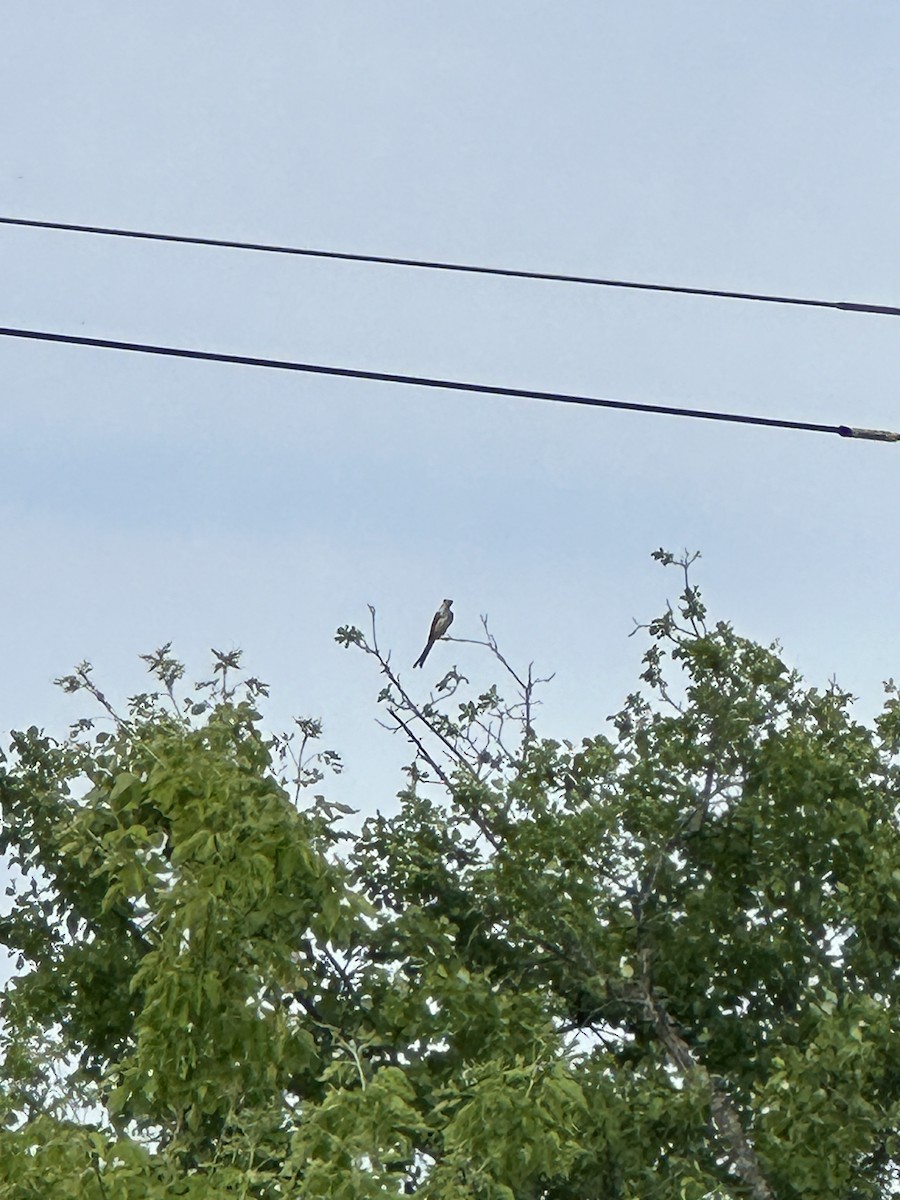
743, 146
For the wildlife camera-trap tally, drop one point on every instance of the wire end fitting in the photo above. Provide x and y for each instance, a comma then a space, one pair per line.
871, 435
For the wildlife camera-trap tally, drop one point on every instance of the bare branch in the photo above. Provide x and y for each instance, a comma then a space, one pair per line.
472, 814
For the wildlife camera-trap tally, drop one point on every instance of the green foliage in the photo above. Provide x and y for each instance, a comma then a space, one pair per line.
661, 963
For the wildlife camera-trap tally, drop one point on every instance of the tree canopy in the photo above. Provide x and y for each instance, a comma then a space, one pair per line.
659, 963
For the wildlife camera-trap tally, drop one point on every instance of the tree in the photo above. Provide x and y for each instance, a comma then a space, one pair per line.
661, 963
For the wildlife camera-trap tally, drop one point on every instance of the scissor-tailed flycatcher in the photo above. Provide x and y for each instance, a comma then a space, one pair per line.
443, 619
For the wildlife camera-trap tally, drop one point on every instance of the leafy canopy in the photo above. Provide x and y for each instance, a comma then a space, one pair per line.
659, 964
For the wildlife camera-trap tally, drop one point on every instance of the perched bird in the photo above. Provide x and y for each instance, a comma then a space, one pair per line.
443, 619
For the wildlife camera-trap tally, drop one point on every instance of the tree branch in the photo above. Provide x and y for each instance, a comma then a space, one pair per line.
723, 1116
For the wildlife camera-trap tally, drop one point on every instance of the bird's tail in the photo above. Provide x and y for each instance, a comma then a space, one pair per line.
421, 659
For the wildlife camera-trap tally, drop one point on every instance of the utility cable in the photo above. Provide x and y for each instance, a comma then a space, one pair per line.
885, 310
280, 364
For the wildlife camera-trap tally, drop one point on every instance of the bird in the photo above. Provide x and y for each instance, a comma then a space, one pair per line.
441, 622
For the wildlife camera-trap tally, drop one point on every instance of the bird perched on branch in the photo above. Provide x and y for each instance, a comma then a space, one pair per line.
442, 621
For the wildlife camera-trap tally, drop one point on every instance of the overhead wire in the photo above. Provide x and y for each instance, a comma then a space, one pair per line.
887, 310
280, 364
846, 431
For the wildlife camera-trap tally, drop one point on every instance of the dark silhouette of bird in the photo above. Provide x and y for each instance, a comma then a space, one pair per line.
442, 621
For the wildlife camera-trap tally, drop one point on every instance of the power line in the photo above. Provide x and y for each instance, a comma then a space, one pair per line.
885, 310
455, 385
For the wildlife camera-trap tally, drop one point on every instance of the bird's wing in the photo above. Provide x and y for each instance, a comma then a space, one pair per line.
438, 625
